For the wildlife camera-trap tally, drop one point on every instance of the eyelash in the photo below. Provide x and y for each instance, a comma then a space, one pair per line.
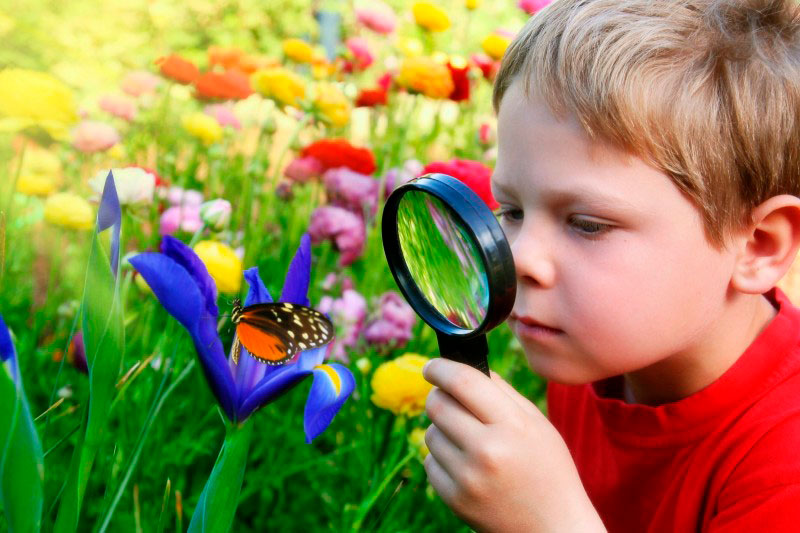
586, 228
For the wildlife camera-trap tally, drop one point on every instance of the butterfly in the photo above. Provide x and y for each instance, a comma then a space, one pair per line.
275, 332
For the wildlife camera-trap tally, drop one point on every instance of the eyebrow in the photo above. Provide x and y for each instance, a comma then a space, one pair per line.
592, 196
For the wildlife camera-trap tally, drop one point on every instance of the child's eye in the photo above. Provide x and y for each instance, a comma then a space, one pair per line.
508, 214
588, 227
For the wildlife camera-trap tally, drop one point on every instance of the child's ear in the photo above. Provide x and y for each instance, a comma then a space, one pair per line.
769, 245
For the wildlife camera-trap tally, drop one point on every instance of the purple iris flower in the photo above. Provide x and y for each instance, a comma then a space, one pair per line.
181, 282
8, 355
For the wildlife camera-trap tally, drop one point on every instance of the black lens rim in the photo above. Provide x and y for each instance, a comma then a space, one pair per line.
481, 224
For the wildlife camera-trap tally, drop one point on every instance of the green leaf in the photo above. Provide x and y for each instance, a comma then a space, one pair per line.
104, 337
217, 505
21, 462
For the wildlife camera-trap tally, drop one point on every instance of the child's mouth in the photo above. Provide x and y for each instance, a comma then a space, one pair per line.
526, 327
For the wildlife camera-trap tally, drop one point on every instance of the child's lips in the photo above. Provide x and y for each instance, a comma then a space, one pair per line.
531, 328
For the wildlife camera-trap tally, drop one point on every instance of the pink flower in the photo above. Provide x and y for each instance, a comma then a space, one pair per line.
303, 169
343, 227
486, 134
532, 6
216, 213
380, 20
187, 197
352, 190
224, 115
393, 327
358, 46
396, 177
180, 217
90, 136
348, 314
140, 82
119, 106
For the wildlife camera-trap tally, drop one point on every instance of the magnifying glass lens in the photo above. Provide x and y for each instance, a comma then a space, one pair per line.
443, 259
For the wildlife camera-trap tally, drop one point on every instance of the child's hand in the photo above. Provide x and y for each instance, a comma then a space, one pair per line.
496, 460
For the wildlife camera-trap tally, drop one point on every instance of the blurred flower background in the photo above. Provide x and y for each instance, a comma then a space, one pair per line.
237, 127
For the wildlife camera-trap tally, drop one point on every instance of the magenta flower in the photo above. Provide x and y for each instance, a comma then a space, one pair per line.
119, 106
223, 114
352, 190
532, 6
348, 314
397, 176
303, 169
90, 137
140, 82
187, 197
343, 227
180, 217
362, 57
393, 327
381, 20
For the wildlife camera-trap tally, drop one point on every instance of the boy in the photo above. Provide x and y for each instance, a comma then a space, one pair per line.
648, 175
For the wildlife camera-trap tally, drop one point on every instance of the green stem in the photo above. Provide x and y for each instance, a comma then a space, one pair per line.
370, 501
217, 505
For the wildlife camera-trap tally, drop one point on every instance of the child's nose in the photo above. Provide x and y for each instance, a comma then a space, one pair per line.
533, 260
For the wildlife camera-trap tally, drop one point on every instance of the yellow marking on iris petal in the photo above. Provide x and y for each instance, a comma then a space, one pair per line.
337, 381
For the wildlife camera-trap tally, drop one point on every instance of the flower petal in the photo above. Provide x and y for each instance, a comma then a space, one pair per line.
333, 384
108, 215
185, 256
249, 371
295, 286
178, 293
279, 379
7, 353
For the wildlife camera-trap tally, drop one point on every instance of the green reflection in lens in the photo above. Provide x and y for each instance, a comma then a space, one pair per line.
443, 259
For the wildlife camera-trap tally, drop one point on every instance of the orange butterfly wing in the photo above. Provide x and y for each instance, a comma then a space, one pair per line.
262, 344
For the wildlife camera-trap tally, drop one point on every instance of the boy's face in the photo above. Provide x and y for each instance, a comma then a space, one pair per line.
609, 254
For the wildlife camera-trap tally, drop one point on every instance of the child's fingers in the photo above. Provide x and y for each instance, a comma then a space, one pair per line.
469, 387
447, 454
440, 479
459, 425
521, 400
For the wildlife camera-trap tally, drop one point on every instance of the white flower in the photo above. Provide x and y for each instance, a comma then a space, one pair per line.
216, 213
134, 185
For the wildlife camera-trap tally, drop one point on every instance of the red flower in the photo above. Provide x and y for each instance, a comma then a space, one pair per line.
176, 68
488, 66
335, 153
474, 174
460, 77
385, 81
228, 85
372, 97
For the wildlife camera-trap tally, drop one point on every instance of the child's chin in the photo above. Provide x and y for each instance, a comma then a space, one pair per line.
559, 371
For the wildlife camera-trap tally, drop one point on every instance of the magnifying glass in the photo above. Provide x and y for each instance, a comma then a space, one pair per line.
451, 261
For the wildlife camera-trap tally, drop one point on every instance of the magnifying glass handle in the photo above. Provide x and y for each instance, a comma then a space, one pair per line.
471, 351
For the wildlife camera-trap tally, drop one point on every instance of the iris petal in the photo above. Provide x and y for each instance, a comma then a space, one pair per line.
250, 371
7, 352
109, 214
333, 384
185, 256
295, 286
177, 292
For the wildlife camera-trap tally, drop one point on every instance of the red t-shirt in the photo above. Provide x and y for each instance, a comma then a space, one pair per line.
726, 458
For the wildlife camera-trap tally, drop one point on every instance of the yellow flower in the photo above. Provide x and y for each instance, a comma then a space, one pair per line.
332, 104
298, 50
68, 210
204, 127
417, 440
279, 84
410, 47
40, 173
472, 4
495, 45
398, 385
426, 76
430, 16
29, 98
222, 263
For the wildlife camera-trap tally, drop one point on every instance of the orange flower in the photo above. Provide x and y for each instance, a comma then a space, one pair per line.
176, 68
426, 76
227, 58
228, 85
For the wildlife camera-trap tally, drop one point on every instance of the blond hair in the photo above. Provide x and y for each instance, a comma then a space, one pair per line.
708, 91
